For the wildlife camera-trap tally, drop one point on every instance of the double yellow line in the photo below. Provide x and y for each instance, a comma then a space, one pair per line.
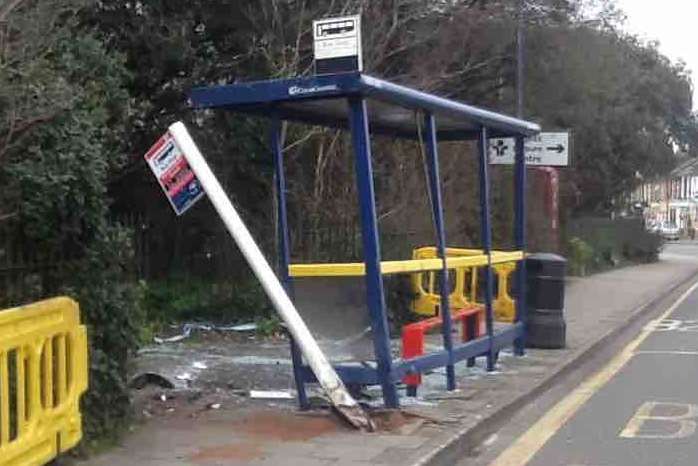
526, 446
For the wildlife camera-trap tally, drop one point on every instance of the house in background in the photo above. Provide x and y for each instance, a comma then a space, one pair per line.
671, 199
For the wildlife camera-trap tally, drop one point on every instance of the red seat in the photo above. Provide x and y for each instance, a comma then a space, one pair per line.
472, 319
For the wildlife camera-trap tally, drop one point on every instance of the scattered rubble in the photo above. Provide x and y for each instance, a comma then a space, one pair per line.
272, 394
140, 381
189, 327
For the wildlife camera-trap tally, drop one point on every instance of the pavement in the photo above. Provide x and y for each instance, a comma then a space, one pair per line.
211, 421
639, 409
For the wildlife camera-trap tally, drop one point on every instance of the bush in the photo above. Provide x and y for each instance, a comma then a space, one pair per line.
108, 299
55, 181
597, 244
580, 256
644, 247
179, 299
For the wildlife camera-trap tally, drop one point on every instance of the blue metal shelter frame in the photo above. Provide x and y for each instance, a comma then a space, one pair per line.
345, 101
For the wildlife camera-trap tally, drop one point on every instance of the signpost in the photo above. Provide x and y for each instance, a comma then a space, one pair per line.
337, 44
545, 149
184, 174
543, 152
177, 180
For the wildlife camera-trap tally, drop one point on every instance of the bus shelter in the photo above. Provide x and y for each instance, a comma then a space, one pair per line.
366, 105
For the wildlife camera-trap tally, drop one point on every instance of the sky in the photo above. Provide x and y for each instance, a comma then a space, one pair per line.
672, 23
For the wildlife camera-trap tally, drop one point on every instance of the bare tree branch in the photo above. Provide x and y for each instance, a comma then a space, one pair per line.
17, 130
7, 8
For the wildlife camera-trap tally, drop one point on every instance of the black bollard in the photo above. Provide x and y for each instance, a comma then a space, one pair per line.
545, 325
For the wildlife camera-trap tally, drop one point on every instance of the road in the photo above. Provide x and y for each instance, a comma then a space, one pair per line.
640, 408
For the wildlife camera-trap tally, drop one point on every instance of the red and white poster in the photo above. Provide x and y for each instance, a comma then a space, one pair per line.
177, 180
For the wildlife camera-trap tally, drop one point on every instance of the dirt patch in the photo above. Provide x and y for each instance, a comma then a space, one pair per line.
295, 427
288, 427
244, 451
260, 429
391, 420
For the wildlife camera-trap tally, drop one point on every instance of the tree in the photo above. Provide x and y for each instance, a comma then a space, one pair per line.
628, 106
62, 104
579, 67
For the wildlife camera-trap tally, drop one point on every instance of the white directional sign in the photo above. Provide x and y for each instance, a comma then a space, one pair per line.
545, 149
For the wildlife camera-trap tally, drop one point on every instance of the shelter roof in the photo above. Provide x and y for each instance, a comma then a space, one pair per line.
392, 108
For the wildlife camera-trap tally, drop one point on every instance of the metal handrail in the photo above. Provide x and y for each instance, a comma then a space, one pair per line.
415, 265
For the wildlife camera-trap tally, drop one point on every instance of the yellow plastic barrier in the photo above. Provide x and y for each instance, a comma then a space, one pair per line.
43, 373
427, 294
424, 266
504, 306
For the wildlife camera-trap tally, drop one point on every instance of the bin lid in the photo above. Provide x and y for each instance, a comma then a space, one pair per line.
546, 264
546, 256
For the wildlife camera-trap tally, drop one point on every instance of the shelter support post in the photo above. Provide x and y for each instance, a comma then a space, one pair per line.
438, 217
358, 120
486, 238
520, 240
284, 249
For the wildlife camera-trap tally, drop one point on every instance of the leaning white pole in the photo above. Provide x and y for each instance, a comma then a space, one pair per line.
325, 373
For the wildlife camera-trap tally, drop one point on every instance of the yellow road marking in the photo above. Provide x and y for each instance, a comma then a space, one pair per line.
526, 446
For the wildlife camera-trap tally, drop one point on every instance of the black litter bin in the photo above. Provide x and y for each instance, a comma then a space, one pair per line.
545, 323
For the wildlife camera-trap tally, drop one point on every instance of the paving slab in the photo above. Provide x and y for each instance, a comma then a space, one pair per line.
252, 432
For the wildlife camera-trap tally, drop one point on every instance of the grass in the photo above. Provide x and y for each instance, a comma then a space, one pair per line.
186, 300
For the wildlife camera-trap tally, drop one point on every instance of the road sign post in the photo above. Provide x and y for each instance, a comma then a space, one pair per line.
544, 152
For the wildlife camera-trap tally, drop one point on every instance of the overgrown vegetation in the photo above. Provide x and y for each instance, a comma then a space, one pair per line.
177, 300
580, 256
62, 104
598, 244
86, 87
